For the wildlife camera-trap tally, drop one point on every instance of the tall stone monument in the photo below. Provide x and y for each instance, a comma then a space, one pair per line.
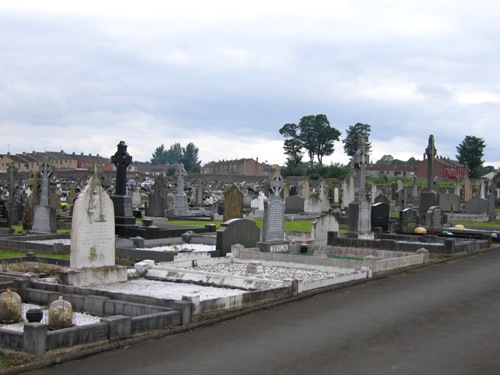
359, 211
429, 197
273, 227
158, 198
44, 217
180, 204
92, 258
124, 218
12, 171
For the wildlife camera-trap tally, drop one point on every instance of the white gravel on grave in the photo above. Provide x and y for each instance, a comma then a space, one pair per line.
176, 248
79, 319
167, 289
270, 272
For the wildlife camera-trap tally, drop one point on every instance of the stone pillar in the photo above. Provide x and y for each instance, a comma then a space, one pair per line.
35, 338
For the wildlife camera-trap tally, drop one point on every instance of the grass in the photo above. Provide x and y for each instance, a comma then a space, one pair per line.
18, 254
290, 226
494, 223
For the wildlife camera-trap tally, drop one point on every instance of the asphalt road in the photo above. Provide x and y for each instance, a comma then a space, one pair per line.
442, 319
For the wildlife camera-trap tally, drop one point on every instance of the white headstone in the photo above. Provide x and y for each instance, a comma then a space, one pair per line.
93, 228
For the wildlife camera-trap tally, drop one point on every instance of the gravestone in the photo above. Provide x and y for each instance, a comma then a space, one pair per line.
199, 195
273, 227
122, 203
408, 220
413, 198
233, 203
359, 211
434, 217
303, 188
236, 231
323, 194
136, 199
180, 203
491, 204
93, 228
449, 202
92, 257
321, 226
44, 216
4, 214
380, 216
476, 206
373, 193
381, 198
429, 198
467, 189
336, 196
348, 189
33, 199
482, 189
12, 172
313, 204
295, 204
158, 198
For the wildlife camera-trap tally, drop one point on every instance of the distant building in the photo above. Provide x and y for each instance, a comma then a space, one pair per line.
390, 170
30, 161
444, 169
239, 167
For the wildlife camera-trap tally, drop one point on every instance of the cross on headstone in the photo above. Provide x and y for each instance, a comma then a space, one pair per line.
46, 171
12, 171
277, 186
360, 161
430, 151
121, 160
180, 173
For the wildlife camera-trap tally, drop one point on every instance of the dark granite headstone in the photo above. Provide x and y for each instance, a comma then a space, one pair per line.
158, 198
274, 219
381, 198
476, 206
237, 231
294, 204
380, 216
4, 214
427, 199
434, 217
122, 203
449, 202
233, 203
408, 220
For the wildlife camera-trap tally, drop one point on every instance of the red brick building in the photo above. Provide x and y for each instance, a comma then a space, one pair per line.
444, 169
240, 167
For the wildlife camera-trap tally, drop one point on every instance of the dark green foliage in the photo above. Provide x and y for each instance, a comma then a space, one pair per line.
352, 136
470, 153
313, 134
177, 154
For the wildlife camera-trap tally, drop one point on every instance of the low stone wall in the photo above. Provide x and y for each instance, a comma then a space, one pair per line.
121, 318
23, 244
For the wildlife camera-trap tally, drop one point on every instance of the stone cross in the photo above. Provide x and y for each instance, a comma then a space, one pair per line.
121, 160
361, 159
277, 186
180, 173
430, 151
46, 171
12, 171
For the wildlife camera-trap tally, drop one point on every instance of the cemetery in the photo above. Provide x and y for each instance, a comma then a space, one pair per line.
354, 237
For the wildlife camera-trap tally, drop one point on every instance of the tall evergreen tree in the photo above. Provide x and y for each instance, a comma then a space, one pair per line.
352, 135
471, 153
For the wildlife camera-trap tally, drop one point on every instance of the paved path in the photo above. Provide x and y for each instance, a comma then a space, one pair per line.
443, 319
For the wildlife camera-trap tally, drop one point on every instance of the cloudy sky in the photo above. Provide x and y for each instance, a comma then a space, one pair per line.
227, 75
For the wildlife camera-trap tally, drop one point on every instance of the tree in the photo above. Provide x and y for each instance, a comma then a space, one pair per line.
352, 136
470, 153
386, 159
174, 154
412, 161
313, 134
292, 146
159, 155
190, 157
